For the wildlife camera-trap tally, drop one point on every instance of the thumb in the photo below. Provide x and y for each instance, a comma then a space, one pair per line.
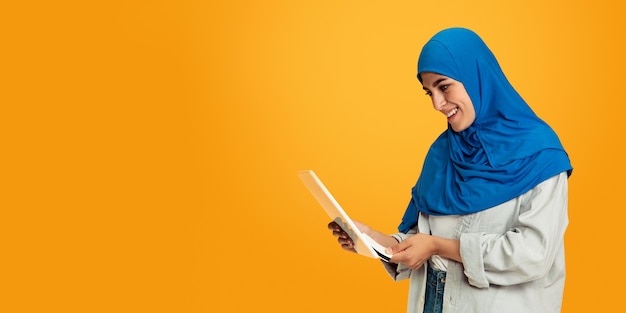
401, 246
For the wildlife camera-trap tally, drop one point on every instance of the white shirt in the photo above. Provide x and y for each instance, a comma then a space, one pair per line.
513, 256
441, 226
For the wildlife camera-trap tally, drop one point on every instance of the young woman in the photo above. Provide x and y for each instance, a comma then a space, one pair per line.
484, 229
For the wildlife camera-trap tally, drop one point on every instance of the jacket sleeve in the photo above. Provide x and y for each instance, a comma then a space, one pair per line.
528, 249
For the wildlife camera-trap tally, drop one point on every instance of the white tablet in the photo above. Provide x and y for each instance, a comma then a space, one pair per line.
363, 243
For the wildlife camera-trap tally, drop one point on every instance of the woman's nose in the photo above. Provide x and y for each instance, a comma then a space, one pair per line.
438, 102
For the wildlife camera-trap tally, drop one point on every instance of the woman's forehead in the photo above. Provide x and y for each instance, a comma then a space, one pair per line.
429, 78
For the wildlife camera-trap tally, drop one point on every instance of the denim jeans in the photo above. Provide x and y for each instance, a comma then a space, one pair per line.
435, 283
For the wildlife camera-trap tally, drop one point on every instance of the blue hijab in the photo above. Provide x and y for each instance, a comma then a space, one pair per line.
506, 152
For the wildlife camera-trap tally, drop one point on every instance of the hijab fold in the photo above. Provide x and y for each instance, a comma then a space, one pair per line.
507, 151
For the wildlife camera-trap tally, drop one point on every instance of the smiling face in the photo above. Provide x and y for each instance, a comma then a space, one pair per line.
450, 98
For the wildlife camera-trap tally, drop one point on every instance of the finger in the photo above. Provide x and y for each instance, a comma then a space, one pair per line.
396, 258
417, 265
340, 234
348, 247
400, 257
399, 247
345, 241
333, 226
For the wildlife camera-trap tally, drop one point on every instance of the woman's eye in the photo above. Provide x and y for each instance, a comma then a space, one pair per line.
428, 93
444, 87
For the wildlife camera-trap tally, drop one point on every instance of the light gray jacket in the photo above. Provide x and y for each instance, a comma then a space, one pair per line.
513, 256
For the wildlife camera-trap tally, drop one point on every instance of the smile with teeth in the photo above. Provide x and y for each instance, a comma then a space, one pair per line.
452, 112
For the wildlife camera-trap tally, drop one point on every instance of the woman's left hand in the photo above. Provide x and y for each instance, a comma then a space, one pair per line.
413, 251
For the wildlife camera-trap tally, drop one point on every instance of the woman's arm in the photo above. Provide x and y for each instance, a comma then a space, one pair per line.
412, 251
523, 253
417, 249
526, 251
347, 243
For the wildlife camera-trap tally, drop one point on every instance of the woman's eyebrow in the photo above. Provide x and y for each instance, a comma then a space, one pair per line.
437, 82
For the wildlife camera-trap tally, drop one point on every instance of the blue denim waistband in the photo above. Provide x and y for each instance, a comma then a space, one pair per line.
436, 278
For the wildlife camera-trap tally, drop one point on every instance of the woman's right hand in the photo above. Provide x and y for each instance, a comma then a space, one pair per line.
342, 237
347, 244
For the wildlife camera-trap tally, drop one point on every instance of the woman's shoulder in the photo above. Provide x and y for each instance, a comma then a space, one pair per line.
553, 188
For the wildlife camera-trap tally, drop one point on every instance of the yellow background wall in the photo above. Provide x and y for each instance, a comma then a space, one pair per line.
151, 147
